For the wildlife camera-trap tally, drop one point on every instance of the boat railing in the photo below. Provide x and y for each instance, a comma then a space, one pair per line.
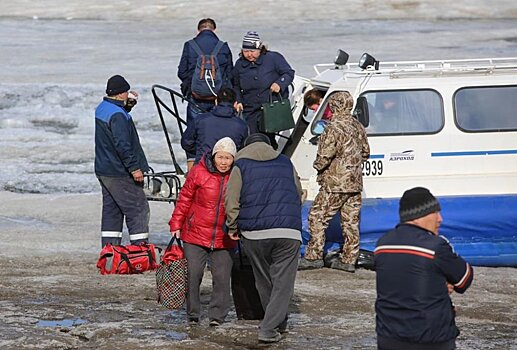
165, 186
320, 68
172, 108
436, 67
162, 187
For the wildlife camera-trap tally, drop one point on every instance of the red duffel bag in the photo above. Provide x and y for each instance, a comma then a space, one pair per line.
128, 259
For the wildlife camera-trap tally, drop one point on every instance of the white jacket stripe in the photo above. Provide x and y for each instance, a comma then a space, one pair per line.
465, 276
405, 247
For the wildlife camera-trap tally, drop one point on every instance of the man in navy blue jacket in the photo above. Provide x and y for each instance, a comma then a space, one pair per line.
119, 165
263, 201
207, 40
416, 271
204, 131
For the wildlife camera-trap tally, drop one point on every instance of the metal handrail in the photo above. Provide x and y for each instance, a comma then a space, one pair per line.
175, 113
431, 66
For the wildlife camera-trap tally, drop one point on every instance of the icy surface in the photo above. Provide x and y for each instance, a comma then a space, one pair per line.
57, 55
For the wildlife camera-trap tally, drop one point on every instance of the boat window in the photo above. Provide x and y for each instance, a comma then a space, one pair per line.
404, 112
488, 108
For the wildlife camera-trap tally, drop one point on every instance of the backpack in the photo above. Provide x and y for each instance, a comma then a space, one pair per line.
129, 259
207, 78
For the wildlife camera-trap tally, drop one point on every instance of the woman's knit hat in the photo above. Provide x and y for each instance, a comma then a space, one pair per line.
225, 144
251, 41
416, 203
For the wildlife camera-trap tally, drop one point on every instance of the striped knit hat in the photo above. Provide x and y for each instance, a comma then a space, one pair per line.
416, 203
251, 41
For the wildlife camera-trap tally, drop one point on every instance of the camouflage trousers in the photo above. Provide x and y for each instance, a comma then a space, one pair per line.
325, 206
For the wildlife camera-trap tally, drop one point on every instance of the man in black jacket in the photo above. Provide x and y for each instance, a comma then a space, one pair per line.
416, 271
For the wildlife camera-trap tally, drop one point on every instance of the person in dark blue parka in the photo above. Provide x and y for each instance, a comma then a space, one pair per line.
256, 74
207, 40
204, 131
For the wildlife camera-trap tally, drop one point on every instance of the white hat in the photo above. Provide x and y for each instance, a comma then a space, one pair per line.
225, 144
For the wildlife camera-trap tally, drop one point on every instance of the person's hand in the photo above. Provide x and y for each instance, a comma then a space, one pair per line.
176, 233
239, 107
450, 288
234, 235
275, 88
304, 195
138, 176
133, 94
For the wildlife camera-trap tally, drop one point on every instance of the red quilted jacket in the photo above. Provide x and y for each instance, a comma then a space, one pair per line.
199, 211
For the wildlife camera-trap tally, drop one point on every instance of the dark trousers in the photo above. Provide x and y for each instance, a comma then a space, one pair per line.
123, 198
252, 119
221, 269
274, 263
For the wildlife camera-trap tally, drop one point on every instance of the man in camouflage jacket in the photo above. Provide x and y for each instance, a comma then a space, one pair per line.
342, 148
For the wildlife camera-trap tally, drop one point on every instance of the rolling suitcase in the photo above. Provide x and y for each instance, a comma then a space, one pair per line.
245, 294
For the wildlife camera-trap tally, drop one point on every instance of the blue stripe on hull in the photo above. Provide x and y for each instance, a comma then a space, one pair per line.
482, 229
474, 153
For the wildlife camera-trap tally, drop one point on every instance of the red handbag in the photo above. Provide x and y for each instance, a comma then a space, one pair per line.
173, 252
129, 259
171, 276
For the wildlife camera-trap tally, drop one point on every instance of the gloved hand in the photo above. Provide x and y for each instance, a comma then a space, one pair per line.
132, 100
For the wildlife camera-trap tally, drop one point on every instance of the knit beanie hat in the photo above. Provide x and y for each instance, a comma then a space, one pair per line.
117, 85
251, 41
257, 137
416, 203
225, 144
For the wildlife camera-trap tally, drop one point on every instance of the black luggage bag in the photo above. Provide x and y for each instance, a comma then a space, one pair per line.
245, 294
365, 259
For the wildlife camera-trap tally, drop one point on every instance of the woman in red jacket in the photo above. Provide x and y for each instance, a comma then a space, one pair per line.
198, 219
